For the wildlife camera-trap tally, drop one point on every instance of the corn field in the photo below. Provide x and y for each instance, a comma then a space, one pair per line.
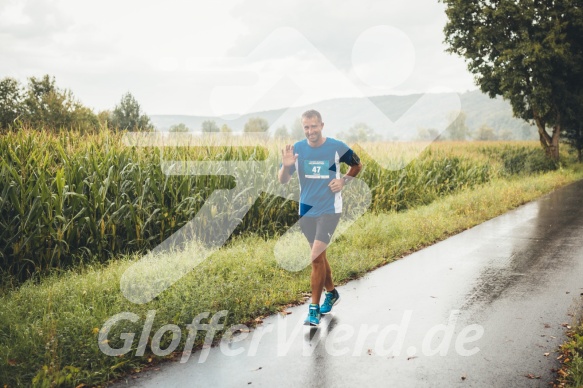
68, 198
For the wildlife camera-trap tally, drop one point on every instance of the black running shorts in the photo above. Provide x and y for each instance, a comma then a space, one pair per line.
319, 228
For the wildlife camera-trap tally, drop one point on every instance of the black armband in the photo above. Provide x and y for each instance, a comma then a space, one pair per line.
355, 161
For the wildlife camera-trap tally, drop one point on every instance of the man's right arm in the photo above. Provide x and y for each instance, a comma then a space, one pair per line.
284, 174
288, 160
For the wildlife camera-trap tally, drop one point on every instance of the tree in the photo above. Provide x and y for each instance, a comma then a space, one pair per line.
226, 129
10, 102
485, 133
360, 133
573, 118
46, 106
281, 133
256, 124
84, 118
458, 130
574, 137
506, 135
210, 126
573, 127
179, 128
104, 118
427, 134
528, 52
43, 105
127, 115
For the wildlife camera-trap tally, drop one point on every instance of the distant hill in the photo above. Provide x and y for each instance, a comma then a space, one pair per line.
342, 113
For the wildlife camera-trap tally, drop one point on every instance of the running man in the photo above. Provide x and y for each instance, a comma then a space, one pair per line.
317, 160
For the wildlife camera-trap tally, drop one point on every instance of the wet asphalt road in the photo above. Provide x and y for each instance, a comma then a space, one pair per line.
480, 309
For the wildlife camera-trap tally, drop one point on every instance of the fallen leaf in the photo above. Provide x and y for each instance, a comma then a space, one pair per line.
370, 352
547, 326
546, 354
531, 376
12, 362
463, 377
410, 358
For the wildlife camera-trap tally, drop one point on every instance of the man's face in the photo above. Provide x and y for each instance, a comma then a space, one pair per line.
312, 129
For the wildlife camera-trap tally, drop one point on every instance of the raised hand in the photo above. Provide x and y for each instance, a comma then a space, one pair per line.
288, 157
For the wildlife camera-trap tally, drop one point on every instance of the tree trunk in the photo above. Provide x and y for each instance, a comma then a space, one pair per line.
579, 155
549, 143
555, 143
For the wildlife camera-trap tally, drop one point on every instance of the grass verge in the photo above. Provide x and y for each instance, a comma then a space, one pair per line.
571, 373
49, 330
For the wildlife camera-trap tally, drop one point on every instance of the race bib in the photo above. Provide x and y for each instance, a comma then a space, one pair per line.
317, 169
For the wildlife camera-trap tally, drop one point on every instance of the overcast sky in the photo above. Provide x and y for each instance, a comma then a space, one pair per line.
233, 56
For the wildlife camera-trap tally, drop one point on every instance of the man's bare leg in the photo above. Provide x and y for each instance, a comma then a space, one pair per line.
328, 283
321, 272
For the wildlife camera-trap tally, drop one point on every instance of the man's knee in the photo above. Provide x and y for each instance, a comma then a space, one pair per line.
318, 252
319, 260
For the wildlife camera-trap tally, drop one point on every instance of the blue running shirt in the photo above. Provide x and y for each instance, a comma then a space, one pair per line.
316, 167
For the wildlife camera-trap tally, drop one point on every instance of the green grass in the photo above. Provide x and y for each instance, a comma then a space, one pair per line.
571, 374
49, 328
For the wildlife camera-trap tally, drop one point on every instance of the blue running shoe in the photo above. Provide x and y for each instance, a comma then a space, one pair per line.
332, 298
313, 318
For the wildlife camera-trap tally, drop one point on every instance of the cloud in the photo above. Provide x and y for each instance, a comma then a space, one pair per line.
334, 27
38, 19
166, 53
